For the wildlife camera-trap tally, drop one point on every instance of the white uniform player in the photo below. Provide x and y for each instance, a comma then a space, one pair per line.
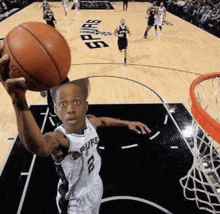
73, 146
65, 7
80, 187
160, 18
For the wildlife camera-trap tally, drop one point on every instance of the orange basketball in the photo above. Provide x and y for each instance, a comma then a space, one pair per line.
39, 53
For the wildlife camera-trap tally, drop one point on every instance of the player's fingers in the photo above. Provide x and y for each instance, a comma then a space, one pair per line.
146, 128
4, 59
143, 126
142, 129
14, 84
136, 130
3, 74
1, 48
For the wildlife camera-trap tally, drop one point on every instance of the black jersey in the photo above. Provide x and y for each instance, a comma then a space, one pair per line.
49, 18
153, 10
122, 31
45, 3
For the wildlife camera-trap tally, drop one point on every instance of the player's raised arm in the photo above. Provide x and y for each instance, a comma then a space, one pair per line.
29, 132
138, 127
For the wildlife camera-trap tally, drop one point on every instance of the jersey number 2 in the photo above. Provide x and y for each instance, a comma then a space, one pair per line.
90, 162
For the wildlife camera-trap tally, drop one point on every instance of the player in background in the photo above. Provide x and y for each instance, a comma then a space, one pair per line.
152, 12
49, 16
44, 5
125, 5
76, 4
121, 32
73, 145
65, 4
160, 18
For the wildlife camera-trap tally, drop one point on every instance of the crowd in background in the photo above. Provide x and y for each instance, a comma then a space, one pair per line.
202, 13
8, 7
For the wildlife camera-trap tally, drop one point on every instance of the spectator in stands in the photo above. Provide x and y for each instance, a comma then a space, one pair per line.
203, 13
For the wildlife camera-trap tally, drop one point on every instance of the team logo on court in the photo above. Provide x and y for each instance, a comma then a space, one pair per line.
89, 32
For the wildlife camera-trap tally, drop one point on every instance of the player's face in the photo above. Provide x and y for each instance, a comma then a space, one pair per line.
122, 22
161, 4
71, 108
154, 3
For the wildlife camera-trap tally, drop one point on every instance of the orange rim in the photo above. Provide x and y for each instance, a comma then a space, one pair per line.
207, 122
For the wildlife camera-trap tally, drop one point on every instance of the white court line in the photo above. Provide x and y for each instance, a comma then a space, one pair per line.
101, 147
174, 147
24, 173
31, 169
6, 158
51, 121
135, 199
130, 146
152, 137
166, 119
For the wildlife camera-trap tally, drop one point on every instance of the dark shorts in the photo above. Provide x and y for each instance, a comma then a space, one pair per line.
122, 44
150, 21
51, 23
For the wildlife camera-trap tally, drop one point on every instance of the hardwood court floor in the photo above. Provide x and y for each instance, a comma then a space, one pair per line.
166, 65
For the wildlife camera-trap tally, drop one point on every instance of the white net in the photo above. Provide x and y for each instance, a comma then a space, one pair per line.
202, 182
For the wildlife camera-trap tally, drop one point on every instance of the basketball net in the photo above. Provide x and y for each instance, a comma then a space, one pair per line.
202, 182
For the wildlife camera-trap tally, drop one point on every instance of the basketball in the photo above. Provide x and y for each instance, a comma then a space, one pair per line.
39, 53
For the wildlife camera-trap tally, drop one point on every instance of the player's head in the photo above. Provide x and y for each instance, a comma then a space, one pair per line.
48, 6
71, 104
154, 3
122, 22
161, 3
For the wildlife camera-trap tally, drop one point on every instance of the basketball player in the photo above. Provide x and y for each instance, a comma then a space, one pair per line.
73, 145
151, 12
65, 7
125, 5
44, 5
160, 18
121, 32
49, 16
76, 4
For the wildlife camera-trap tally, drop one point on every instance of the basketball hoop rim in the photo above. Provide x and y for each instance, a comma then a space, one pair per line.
207, 122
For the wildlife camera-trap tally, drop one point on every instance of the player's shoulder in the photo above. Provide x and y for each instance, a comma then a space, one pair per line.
95, 121
91, 117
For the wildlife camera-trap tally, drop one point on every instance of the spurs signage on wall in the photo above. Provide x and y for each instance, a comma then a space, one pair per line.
90, 34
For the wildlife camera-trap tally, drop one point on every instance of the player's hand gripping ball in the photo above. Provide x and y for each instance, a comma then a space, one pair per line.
39, 53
